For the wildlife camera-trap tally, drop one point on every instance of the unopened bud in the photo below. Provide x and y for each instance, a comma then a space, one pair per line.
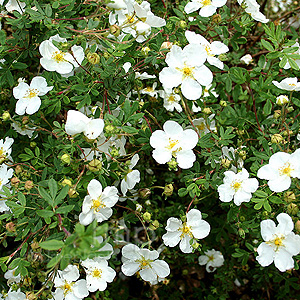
243, 154
25, 120
290, 109
18, 169
138, 207
95, 165
66, 158
144, 193
223, 103
289, 196
185, 272
242, 233
276, 138
34, 245
282, 99
240, 131
93, 58
216, 18
182, 24
6, 116
28, 185
166, 45
172, 164
66, 182
195, 245
109, 128
147, 216
32, 144
225, 163
287, 132
148, 202
114, 30
154, 225
277, 114
145, 51
15, 181
206, 111
168, 190
297, 226
72, 193
10, 227
292, 209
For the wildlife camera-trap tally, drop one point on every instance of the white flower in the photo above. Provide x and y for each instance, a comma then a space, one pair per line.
28, 96
207, 7
62, 62
212, 49
203, 127
280, 245
97, 205
98, 273
77, 122
230, 154
252, 8
280, 169
145, 262
132, 177
23, 129
5, 174
116, 4
150, 90
288, 84
297, 61
212, 259
237, 186
185, 233
5, 148
208, 90
246, 59
143, 76
171, 100
185, 68
11, 277
67, 286
173, 141
282, 99
15, 295
98, 240
12, 5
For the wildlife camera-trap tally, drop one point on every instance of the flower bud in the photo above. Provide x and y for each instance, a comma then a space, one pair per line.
66, 182
114, 151
145, 51
15, 181
195, 245
66, 158
172, 164
276, 138
287, 132
72, 193
185, 272
290, 109
144, 193
168, 190
216, 18
138, 207
154, 225
18, 169
240, 132
297, 226
223, 103
243, 154
93, 58
147, 216
25, 120
182, 24
147, 202
292, 209
95, 165
206, 111
34, 245
6, 116
282, 99
32, 144
114, 30
109, 128
10, 227
242, 218
166, 45
225, 163
242, 233
277, 114
28, 185
246, 59
289, 196
106, 55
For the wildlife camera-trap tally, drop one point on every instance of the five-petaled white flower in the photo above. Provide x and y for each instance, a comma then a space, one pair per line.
282, 99
11, 276
237, 186
288, 84
132, 177
207, 7
205, 126
145, 262
98, 273
193, 228
252, 8
28, 96
97, 205
5, 148
68, 287
186, 68
212, 259
212, 49
57, 60
280, 243
280, 169
173, 141
171, 100
77, 122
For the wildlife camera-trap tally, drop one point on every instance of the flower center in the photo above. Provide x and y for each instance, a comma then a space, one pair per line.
31, 93
201, 126
206, 2
130, 19
277, 242
187, 71
144, 263
210, 257
58, 56
186, 230
96, 273
149, 89
286, 170
172, 144
208, 51
236, 185
172, 99
67, 287
1, 151
97, 204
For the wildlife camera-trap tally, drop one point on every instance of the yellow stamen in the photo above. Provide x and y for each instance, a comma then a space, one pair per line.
206, 2
286, 170
31, 93
185, 231
201, 126
172, 144
187, 71
144, 263
97, 204
236, 185
210, 258
97, 273
58, 56
277, 242
172, 99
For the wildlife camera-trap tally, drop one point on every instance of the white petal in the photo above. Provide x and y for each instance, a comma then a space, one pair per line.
267, 229
94, 189
33, 105
94, 128
76, 122
130, 267
285, 223
191, 89
171, 238
131, 252
184, 245
265, 254
185, 159
173, 224
201, 230
161, 268
80, 289
86, 219
283, 260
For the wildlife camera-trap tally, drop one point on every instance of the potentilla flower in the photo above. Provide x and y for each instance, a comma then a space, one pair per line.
150, 90
77, 122
185, 233
207, 7
171, 100
288, 84
97, 205
212, 259
16, 5
5, 148
98, 273
175, 142
132, 177
15, 295
68, 286
246, 59
252, 8
212, 49
23, 129
280, 243
5, 175
203, 127
280, 169
28, 96
185, 68
62, 62
12, 277
237, 186
145, 262
282, 99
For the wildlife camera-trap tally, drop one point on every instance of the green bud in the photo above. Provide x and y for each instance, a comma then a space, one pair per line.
168, 190
173, 165
206, 111
225, 163
277, 114
276, 138
66, 182
154, 225
144, 193
66, 158
6, 116
289, 196
292, 209
297, 226
32, 144
242, 233
182, 24
93, 58
145, 51
95, 165
147, 216
223, 103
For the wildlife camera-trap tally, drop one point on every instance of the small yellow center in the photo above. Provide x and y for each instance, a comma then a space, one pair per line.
206, 2
67, 287
130, 19
31, 93
186, 230
208, 51
187, 72
58, 56
1, 151
286, 170
172, 144
97, 204
96, 273
171, 99
277, 242
144, 263
201, 126
236, 185
149, 89
210, 257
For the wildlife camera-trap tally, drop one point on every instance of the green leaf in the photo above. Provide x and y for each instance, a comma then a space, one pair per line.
65, 209
44, 194
62, 195
267, 45
267, 108
45, 213
54, 261
52, 245
22, 199
52, 187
